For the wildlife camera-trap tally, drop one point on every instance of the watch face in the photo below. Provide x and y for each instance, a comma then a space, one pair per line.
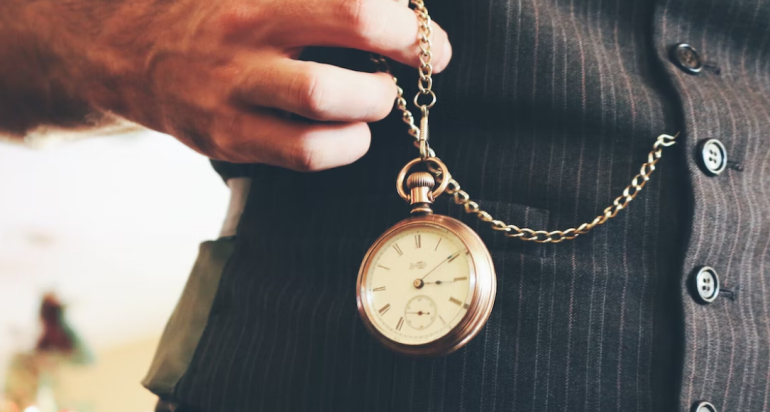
418, 284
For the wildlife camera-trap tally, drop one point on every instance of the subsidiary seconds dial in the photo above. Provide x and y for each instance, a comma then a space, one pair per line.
420, 312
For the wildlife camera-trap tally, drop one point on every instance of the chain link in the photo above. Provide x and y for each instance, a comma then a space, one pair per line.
461, 197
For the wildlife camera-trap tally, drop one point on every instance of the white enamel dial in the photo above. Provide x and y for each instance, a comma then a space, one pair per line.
419, 284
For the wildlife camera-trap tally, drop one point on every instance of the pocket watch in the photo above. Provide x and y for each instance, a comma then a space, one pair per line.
427, 285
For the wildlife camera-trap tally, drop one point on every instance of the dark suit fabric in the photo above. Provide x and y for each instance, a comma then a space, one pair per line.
547, 110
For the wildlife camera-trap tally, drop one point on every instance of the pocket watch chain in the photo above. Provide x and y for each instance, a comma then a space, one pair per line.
461, 197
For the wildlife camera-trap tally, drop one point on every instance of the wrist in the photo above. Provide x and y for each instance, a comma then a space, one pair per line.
38, 87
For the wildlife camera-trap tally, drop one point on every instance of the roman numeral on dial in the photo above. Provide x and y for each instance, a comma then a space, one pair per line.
379, 289
417, 242
398, 249
400, 324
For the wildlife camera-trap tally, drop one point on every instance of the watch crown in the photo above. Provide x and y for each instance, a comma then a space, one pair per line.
420, 179
421, 185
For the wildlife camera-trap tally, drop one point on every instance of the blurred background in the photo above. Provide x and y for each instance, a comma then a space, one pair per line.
108, 229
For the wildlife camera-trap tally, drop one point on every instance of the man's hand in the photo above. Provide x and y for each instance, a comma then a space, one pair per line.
218, 75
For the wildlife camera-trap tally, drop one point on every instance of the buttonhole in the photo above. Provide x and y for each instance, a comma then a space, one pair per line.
729, 294
737, 166
712, 66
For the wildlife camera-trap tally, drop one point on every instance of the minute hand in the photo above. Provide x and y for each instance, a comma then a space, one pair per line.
452, 256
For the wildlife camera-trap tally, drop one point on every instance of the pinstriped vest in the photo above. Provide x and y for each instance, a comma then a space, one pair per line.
544, 114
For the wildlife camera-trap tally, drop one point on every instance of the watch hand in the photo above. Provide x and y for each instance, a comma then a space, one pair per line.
438, 282
452, 256
418, 313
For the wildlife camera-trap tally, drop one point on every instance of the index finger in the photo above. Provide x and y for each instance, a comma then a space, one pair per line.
379, 26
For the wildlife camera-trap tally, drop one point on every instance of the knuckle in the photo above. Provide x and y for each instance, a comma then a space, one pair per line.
304, 156
235, 19
353, 14
309, 95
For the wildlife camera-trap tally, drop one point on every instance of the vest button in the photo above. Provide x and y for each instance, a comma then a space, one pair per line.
713, 157
687, 58
706, 284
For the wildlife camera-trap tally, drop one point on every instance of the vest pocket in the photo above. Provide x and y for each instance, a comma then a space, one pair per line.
189, 319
